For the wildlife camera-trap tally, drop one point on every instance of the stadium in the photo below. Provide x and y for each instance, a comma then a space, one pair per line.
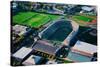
60, 31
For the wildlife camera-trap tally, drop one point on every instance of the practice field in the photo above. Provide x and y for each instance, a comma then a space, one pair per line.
33, 19
83, 18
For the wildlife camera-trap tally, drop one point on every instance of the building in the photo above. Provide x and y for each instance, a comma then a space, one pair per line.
83, 52
54, 10
22, 54
84, 48
32, 60
71, 9
89, 10
19, 29
45, 49
19, 32
77, 57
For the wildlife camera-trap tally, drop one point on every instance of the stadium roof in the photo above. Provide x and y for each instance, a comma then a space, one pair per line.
22, 53
44, 46
84, 48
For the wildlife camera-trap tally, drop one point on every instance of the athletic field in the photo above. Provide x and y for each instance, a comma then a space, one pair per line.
83, 18
33, 19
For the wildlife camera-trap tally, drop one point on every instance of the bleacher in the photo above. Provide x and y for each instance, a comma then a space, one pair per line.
60, 28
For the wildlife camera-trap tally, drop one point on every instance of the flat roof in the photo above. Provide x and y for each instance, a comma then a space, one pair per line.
87, 8
78, 57
22, 53
19, 29
85, 47
33, 59
44, 46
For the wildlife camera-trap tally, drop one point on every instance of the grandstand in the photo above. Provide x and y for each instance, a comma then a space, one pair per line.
60, 31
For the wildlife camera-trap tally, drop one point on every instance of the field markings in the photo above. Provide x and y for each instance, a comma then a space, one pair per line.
33, 19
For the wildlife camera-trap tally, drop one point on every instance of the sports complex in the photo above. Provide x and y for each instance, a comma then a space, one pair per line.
59, 30
56, 35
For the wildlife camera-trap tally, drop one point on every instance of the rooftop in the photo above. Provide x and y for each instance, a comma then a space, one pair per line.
33, 59
19, 29
22, 53
76, 57
84, 48
44, 46
86, 8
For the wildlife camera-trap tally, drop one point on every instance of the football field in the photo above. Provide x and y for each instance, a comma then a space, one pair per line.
83, 18
33, 19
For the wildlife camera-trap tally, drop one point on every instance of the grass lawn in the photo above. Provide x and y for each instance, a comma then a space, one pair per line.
33, 19
83, 18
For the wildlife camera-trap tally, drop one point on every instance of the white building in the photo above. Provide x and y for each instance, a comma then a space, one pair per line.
19, 29
22, 53
84, 48
82, 52
89, 10
86, 8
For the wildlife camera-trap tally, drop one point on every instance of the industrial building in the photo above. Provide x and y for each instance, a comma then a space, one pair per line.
47, 50
82, 52
84, 48
22, 53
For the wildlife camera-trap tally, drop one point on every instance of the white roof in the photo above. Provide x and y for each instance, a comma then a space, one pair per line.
85, 47
22, 53
86, 8
19, 29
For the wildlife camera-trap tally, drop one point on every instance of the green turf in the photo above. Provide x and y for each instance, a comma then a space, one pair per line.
38, 20
83, 18
22, 16
33, 19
